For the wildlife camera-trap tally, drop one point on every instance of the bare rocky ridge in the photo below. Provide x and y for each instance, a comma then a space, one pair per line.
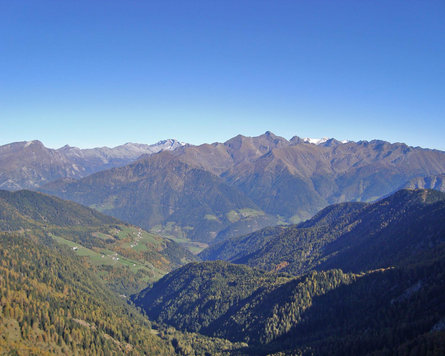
30, 164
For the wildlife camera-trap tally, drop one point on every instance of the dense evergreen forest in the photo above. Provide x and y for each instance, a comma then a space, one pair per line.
385, 311
359, 279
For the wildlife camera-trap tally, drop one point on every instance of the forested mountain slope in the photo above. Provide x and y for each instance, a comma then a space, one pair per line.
31, 209
393, 311
326, 312
195, 296
352, 236
377, 285
369, 279
51, 304
125, 256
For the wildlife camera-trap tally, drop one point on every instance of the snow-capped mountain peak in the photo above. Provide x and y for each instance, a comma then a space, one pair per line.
315, 141
319, 141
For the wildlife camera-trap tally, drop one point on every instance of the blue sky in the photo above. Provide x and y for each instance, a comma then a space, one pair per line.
95, 73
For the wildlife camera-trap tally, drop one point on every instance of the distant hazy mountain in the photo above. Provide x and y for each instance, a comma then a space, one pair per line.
30, 164
119, 155
259, 180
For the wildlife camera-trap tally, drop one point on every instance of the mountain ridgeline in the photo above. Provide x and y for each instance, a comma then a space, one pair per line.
29, 164
27, 209
356, 279
216, 191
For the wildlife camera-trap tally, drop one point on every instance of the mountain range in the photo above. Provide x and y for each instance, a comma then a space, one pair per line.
216, 191
30, 164
308, 247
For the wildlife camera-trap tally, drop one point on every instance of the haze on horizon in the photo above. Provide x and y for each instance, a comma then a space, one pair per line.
92, 74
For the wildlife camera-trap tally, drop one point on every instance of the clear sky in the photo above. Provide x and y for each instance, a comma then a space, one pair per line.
105, 72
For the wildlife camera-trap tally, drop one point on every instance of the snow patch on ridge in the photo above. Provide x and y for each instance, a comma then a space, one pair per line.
315, 141
319, 141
